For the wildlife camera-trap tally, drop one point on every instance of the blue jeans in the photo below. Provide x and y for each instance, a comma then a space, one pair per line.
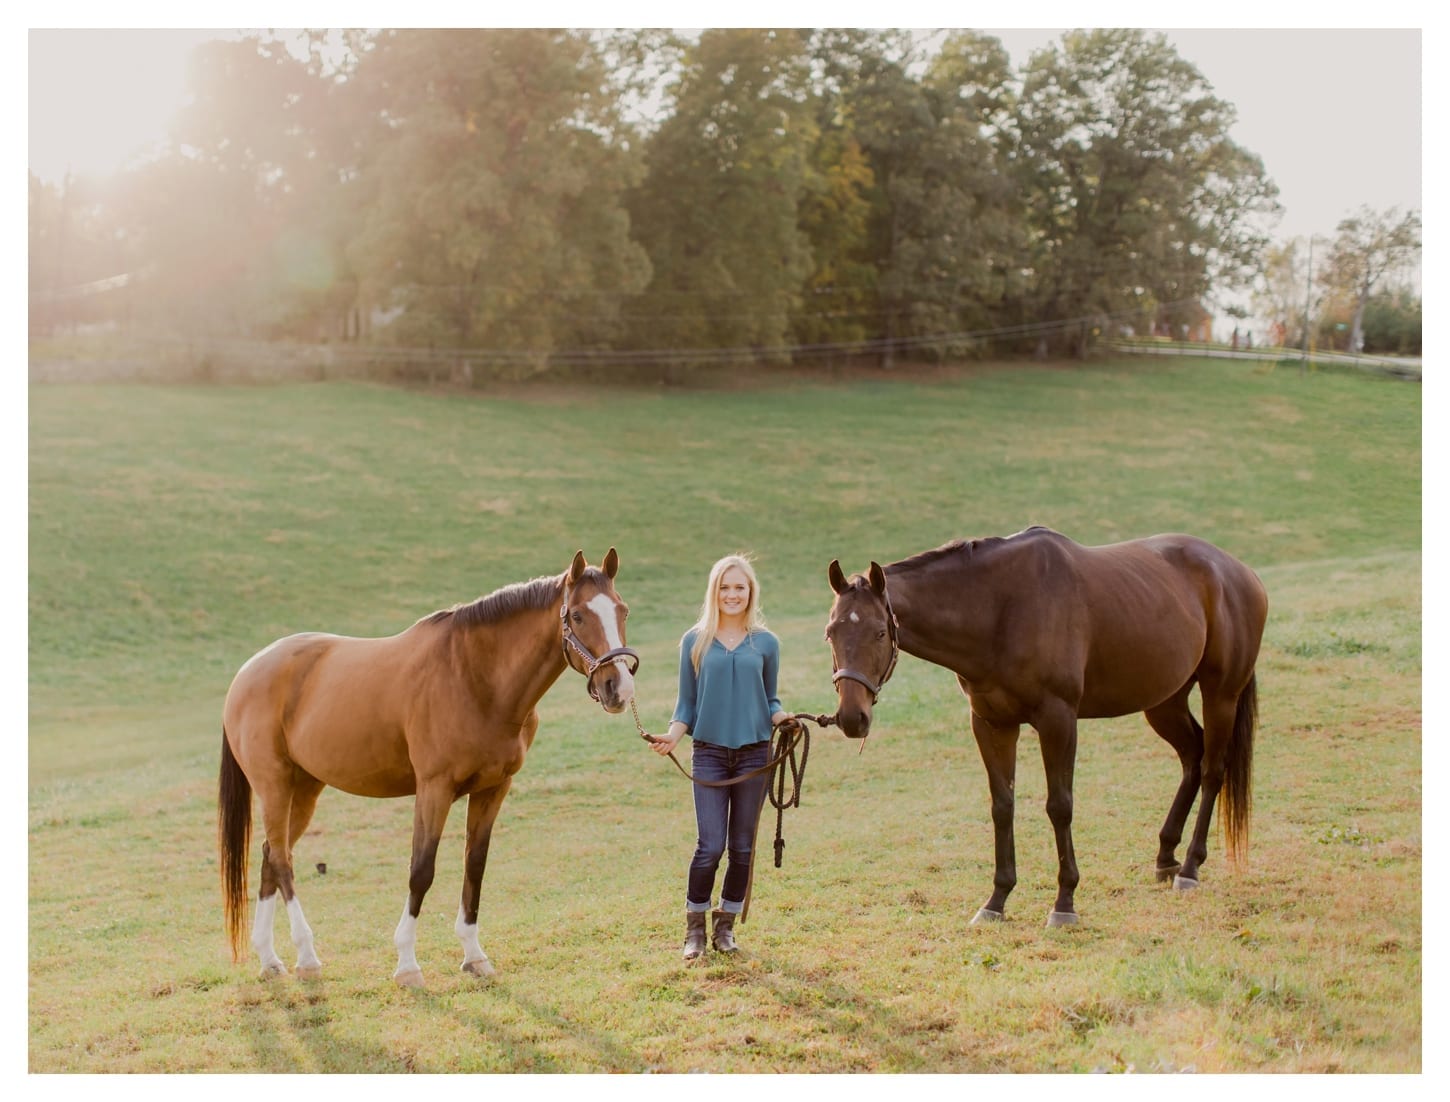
726, 818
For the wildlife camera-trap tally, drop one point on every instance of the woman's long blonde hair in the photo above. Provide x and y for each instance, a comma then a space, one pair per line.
709, 621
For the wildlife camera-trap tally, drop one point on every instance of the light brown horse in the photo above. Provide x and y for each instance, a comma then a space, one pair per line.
442, 710
1043, 631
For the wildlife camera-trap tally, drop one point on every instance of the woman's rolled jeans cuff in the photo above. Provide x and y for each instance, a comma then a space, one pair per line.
726, 818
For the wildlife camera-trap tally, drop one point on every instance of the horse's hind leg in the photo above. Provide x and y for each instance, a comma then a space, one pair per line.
1218, 727
281, 802
1175, 724
276, 876
304, 803
483, 808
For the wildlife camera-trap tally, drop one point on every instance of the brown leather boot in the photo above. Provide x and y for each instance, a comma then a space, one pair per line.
723, 935
694, 934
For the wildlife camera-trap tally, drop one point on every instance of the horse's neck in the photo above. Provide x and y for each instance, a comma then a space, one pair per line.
513, 662
938, 616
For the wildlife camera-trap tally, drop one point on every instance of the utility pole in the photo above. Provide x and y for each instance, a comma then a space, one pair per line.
1308, 297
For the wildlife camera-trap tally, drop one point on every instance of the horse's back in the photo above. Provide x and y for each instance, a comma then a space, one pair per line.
264, 681
1156, 613
1206, 595
327, 704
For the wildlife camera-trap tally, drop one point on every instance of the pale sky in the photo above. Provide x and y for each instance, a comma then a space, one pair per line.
1335, 114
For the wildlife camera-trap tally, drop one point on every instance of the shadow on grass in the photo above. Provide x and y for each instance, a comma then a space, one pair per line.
304, 1041
810, 1005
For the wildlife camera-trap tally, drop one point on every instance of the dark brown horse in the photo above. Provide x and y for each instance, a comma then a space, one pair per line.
1043, 631
442, 710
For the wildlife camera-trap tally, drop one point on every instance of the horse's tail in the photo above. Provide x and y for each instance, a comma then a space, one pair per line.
1236, 801
234, 840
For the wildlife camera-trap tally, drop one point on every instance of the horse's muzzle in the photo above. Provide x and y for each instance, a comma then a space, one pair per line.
854, 723
612, 685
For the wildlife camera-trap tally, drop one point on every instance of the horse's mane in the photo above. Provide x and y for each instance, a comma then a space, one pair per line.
530, 596
926, 558
960, 547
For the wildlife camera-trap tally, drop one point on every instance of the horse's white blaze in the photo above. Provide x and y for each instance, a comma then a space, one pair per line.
262, 932
301, 936
607, 609
468, 935
855, 619
405, 937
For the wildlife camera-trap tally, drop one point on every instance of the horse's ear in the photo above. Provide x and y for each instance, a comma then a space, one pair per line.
837, 579
611, 562
576, 569
877, 577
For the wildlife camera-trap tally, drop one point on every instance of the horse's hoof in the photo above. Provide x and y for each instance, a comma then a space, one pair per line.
984, 916
1184, 883
413, 978
1167, 873
273, 971
482, 968
1061, 918
309, 972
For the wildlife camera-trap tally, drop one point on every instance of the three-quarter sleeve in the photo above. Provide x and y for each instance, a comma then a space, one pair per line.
685, 701
770, 668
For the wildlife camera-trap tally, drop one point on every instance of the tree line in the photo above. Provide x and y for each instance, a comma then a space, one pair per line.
548, 197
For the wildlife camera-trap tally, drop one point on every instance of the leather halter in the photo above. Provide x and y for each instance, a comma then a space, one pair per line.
872, 687
570, 640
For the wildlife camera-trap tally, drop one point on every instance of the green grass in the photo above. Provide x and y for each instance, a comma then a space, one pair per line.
175, 530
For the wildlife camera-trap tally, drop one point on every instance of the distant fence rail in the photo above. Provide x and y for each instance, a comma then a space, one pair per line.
115, 357
1404, 367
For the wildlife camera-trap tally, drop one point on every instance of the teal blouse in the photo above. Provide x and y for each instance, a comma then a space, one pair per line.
730, 701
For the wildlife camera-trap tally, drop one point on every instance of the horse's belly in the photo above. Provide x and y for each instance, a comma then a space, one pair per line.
1134, 682
361, 766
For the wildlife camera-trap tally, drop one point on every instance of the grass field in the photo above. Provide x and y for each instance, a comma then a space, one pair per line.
176, 530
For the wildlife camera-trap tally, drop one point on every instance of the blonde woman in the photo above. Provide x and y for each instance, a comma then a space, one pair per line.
728, 705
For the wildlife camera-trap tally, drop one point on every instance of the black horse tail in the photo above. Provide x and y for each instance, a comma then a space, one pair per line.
1236, 800
234, 840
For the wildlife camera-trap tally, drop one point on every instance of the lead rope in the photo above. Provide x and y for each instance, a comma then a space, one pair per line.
797, 775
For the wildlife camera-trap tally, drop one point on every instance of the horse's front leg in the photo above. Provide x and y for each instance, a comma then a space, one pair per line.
1057, 727
998, 746
430, 813
483, 809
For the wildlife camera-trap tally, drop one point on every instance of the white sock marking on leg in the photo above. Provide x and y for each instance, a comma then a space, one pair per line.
302, 936
405, 937
468, 935
262, 932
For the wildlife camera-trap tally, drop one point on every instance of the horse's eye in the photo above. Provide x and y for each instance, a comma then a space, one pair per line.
578, 617
881, 634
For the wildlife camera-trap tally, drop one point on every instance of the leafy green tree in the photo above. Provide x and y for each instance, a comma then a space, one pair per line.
1369, 246
971, 237
1393, 323
1139, 200
940, 239
717, 211
491, 187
